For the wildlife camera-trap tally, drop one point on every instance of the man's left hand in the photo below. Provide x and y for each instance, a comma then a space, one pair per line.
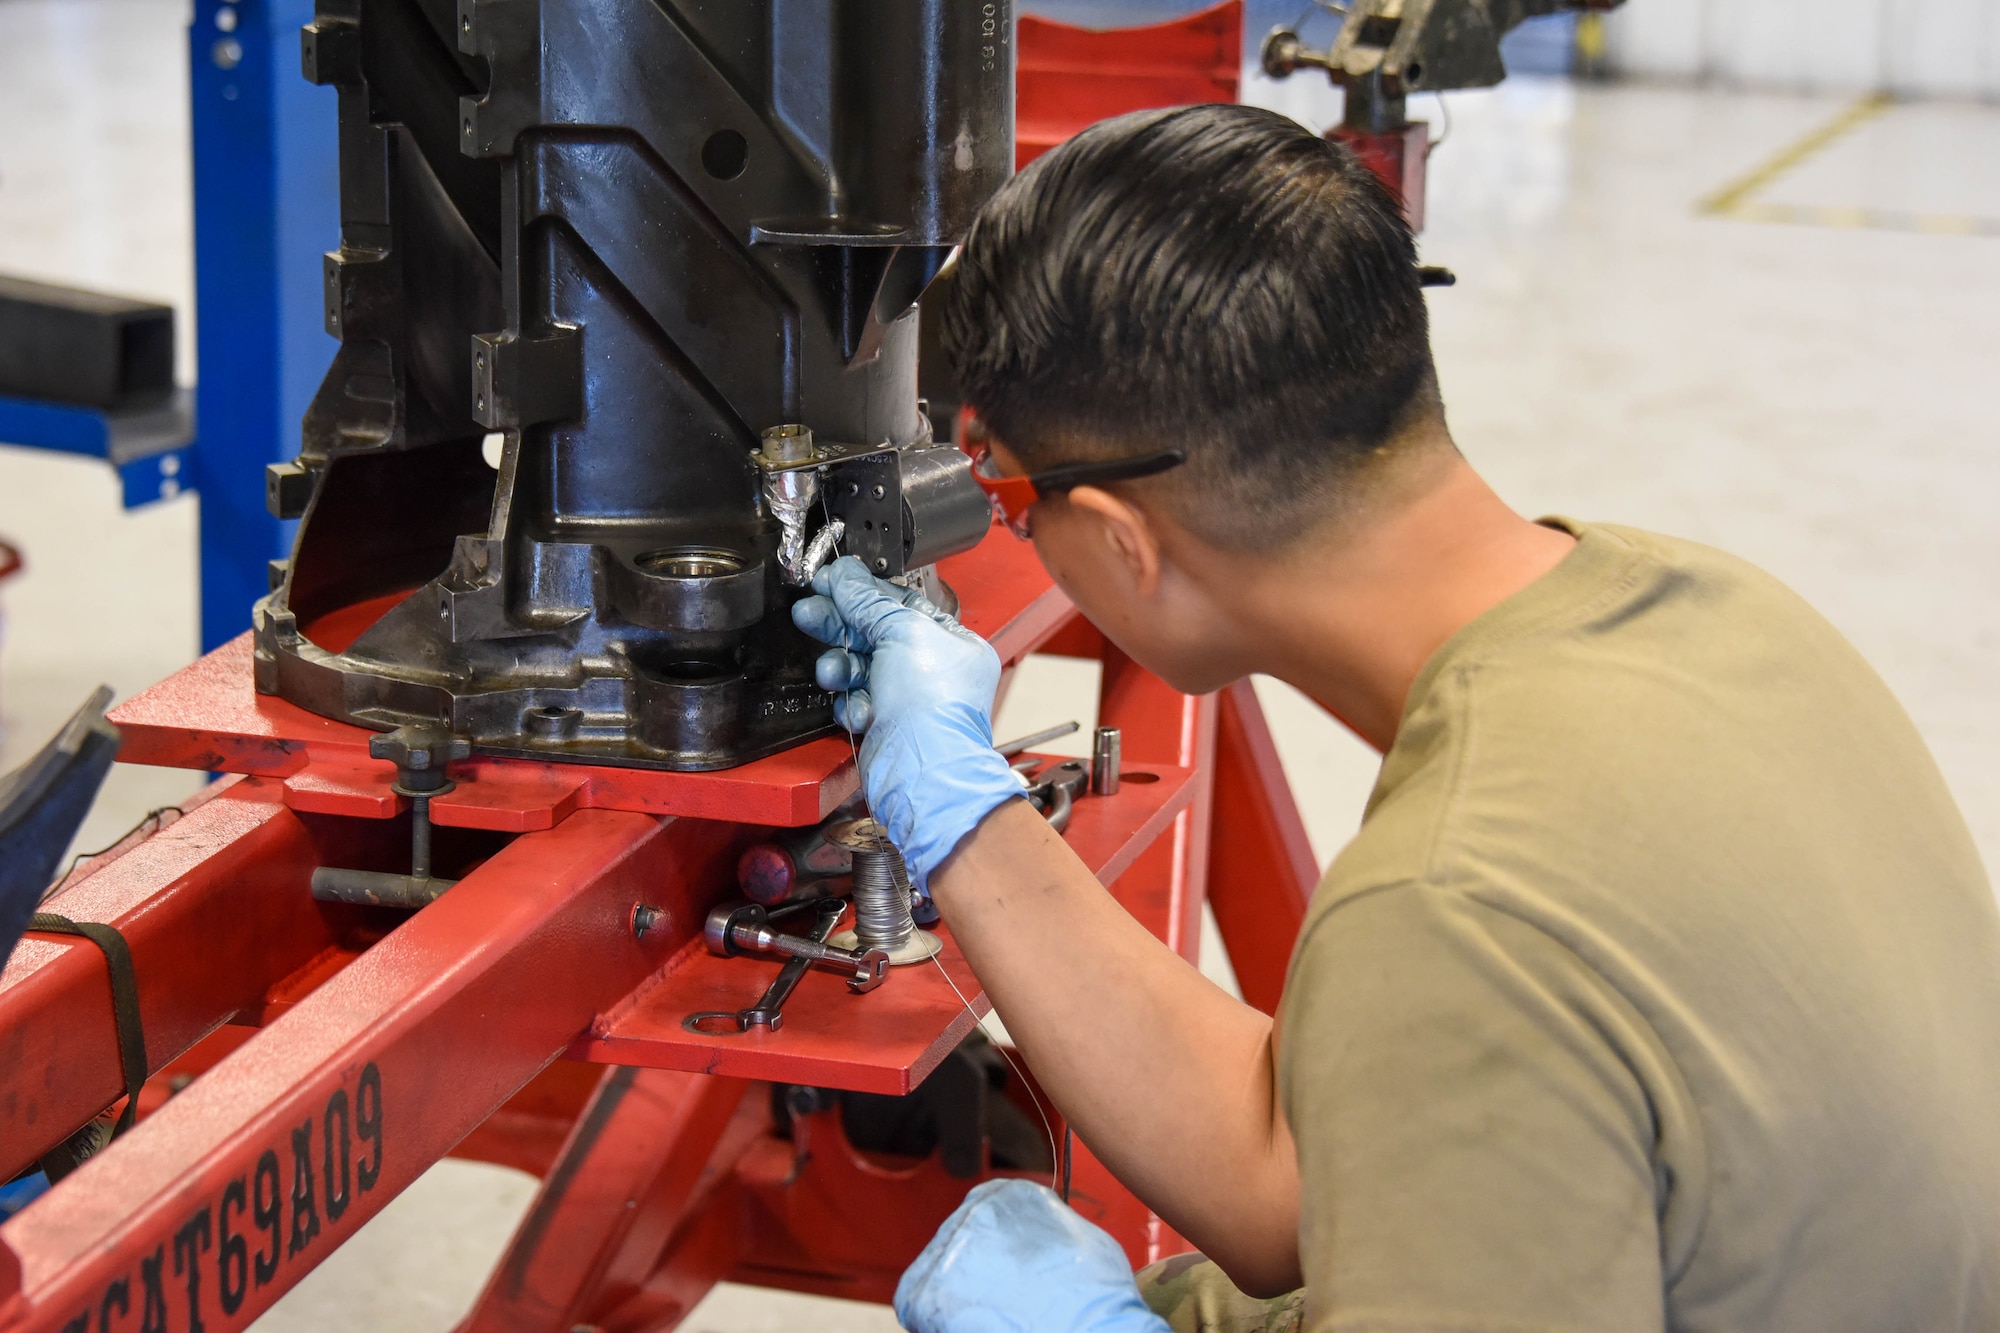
919, 687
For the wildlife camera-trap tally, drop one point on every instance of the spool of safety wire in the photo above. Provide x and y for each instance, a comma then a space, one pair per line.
882, 917
881, 905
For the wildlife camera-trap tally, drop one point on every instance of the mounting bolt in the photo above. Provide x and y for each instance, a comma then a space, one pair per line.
646, 917
881, 564
421, 754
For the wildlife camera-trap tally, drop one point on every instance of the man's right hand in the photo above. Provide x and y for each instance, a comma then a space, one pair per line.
919, 686
1015, 1258
1169, 1079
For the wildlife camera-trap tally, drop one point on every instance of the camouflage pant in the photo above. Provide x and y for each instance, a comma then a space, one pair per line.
1193, 1296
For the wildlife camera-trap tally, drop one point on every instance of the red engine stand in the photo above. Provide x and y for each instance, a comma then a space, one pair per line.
310, 1060
1068, 77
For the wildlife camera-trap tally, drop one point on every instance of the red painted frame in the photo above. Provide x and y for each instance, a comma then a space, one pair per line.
336, 1052
1068, 77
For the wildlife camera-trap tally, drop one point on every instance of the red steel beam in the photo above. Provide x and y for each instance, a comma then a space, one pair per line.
1160, 725
1069, 77
1261, 869
638, 1159
215, 910
213, 1207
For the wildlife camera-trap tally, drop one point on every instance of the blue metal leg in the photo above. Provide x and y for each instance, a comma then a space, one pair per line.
266, 206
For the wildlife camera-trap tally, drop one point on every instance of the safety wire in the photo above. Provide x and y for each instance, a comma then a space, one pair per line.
1444, 109
1058, 1157
1314, 9
155, 817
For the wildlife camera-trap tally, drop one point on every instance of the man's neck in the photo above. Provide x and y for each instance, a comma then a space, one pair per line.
1351, 620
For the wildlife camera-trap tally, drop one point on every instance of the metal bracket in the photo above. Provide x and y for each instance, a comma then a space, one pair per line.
523, 381
865, 492
151, 448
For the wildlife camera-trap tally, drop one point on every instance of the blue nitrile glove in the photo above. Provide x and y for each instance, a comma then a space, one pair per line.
1015, 1258
920, 685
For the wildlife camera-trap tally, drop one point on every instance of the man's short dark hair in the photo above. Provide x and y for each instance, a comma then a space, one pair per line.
1217, 278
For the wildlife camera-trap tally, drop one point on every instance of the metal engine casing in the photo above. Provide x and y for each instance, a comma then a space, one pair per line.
628, 236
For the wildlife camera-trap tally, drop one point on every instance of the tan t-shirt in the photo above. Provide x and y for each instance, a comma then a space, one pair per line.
1660, 988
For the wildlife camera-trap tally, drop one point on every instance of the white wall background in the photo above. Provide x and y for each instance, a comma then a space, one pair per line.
1918, 48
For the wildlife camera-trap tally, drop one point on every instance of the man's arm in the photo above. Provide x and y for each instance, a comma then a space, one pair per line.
1170, 1081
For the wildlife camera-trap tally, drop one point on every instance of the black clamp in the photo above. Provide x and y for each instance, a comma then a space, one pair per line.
421, 753
87, 1142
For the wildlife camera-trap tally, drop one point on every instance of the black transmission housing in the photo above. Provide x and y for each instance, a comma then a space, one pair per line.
628, 237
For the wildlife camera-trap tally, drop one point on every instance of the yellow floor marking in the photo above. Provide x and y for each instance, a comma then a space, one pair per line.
1737, 199
1735, 194
1866, 219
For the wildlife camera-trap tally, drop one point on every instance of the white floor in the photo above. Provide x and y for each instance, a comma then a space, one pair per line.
1816, 399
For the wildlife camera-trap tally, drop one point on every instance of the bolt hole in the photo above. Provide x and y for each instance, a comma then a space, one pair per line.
1141, 778
552, 722
695, 672
725, 155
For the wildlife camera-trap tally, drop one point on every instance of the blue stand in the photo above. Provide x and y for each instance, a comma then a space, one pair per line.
266, 207
150, 448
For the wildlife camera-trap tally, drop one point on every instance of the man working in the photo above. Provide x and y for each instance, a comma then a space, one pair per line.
1661, 985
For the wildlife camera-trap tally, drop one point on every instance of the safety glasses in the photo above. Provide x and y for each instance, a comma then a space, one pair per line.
1013, 497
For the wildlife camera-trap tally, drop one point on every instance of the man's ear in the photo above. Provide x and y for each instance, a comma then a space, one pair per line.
1129, 533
